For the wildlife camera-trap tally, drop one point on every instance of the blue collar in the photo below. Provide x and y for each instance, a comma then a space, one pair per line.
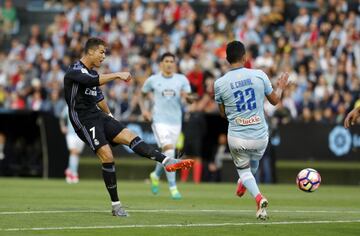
236, 68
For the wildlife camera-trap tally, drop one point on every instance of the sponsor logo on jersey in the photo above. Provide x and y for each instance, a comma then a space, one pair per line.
168, 93
248, 121
91, 92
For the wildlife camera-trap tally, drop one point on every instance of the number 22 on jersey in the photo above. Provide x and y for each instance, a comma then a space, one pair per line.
247, 99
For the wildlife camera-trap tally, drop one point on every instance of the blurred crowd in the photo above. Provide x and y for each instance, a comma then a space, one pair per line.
317, 42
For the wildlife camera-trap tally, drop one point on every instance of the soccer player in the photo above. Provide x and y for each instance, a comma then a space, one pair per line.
352, 117
240, 95
167, 88
94, 124
75, 147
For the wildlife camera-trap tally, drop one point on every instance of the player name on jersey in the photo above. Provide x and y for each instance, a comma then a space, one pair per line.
241, 83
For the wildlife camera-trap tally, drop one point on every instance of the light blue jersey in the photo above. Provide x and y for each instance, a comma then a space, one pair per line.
167, 97
242, 91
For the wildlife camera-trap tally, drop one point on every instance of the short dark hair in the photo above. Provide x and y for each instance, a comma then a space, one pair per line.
235, 51
92, 43
167, 54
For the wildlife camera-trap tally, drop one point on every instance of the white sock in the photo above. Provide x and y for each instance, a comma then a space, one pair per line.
171, 176
249, 181
173, 188
165, 160
159, 169
74, 163
115, 203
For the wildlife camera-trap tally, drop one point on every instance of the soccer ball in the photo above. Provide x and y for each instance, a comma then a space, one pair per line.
308, 180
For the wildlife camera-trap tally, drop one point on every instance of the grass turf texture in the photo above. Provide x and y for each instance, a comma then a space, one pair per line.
56, 208
341, 173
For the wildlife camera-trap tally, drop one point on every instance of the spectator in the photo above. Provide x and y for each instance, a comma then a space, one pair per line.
319, 47
9, 19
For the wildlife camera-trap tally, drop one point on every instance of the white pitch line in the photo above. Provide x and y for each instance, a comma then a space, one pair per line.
181, 225
174, 210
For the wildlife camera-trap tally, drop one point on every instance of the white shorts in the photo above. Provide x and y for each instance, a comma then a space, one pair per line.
166, 134
244, 150
74, 142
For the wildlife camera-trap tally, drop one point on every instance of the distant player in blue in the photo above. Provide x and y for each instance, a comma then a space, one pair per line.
240, 94
75, 146
168, 89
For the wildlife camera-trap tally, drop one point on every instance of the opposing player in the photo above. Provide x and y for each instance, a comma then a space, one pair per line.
93, 123
167, 88
75, 146
240, 94
352, 117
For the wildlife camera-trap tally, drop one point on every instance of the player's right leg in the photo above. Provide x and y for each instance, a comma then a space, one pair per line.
238, 149
248, 180
141, 148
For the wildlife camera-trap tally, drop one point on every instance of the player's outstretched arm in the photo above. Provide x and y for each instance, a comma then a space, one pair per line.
275, 97
352, 117
106, 78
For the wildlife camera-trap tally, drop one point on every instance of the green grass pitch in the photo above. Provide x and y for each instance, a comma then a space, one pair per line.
52, 207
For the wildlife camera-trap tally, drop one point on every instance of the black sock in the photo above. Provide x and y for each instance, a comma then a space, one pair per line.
109, 176
143, 149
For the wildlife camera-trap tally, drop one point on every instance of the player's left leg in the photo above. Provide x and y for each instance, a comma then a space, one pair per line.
109, 175
127, 137
118, 134
99, 143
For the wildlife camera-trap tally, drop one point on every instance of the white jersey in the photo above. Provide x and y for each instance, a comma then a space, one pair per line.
167, 97
66, 119
72, 140
242, 91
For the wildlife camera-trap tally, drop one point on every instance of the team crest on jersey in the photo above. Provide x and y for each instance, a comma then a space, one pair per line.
96, 142
168, 93
84, 70
248, 121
